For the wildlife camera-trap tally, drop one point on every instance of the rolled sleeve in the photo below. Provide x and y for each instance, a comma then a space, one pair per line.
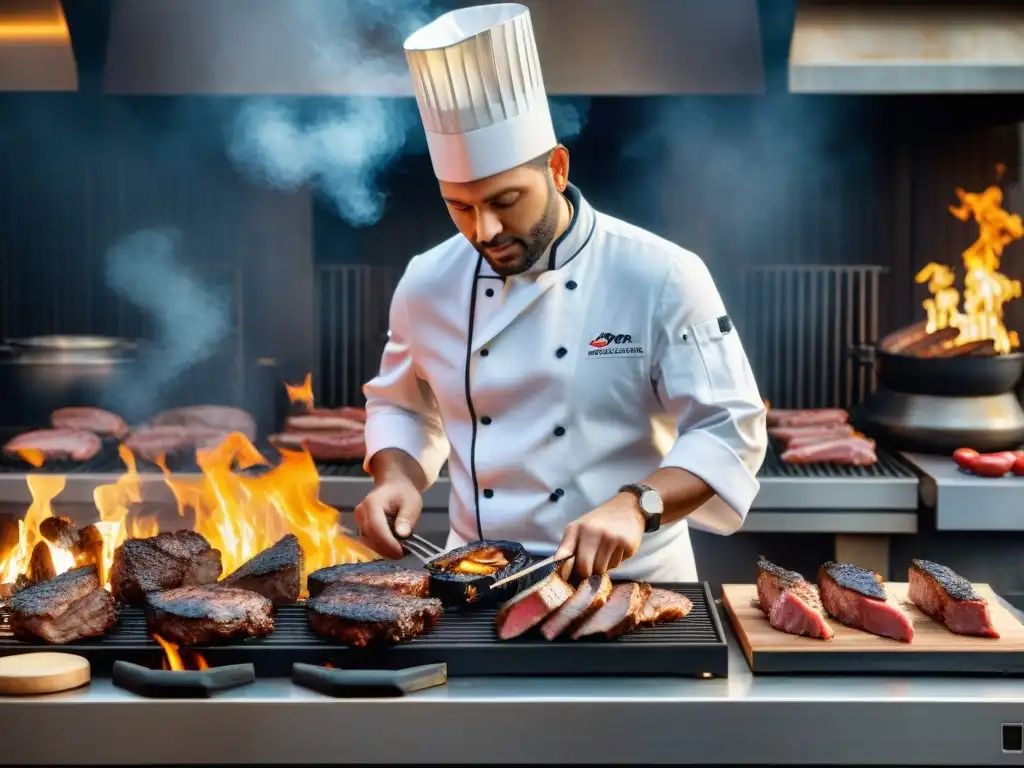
704, 381
401, 409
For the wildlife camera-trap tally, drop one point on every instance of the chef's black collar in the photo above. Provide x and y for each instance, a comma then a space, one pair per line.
576, 235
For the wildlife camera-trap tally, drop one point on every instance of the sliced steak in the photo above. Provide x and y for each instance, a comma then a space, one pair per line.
70, 607
359, 615
806, 418
414, 582
664, 606
948, 597
790, 602
164, 561
591, 595
621, 614
531, 606
827, 435
788, 434
322, 419
210, 613
91, 420
275, 573
323, 446
56, 444
221, 418
151, 443
851, 451
856, 597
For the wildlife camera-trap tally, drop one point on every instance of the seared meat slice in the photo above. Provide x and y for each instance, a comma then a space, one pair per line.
221, 418
275, 573
200, 615
811, 417
164, 561
70, 607
60, 531
849, 450
855, 596
56, 444
621, 614
328, 419
413, 582
360, 615
790, 602
664, 606
91, 420
531, 606
324, 447
948, 597
590, 596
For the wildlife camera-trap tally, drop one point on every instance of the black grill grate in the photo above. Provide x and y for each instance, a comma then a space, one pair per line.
888, 467
465, 641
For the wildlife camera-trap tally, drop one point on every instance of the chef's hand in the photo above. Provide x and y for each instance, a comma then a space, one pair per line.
394, 501
604, 537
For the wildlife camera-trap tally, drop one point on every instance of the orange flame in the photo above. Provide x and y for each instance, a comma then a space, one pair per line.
986, 290
43, 490
31, 456
301, 393
173, 658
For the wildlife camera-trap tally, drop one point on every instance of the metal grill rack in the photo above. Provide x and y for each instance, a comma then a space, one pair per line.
465, 641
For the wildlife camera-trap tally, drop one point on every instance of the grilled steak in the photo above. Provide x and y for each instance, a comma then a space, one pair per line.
324, 446
413, 582
60, 531
330, 420
902, 338
531, 606
856, 597
948, 597
209, 613
219, 418
275, 573
359, 615
852, 451
90, 420
591, 595
664, 606
803, 441
153, 442
69, 607
789, 434
806, 418
164, 561
790, 602
57, 444
621, 614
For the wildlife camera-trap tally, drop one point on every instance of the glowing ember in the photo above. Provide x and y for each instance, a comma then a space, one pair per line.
173, 658
301, 393
986, 290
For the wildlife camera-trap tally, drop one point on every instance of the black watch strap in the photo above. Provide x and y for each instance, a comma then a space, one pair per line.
652, 518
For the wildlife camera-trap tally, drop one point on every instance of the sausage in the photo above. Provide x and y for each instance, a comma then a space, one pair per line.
993, 464
964, 458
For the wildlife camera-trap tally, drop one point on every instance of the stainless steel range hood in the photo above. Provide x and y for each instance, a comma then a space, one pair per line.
35, 47
336, 47
904, 47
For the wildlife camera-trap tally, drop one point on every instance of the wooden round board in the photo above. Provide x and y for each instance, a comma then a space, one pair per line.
44, 672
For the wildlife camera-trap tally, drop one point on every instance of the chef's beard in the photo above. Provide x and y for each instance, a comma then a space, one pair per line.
534, 245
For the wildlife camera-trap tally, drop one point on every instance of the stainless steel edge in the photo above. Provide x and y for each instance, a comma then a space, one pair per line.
837, 493
964, 502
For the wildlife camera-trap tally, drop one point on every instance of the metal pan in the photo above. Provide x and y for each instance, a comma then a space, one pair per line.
942, 376
470, 590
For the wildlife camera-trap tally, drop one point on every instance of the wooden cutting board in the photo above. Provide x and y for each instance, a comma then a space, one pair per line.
36, 673
935, 650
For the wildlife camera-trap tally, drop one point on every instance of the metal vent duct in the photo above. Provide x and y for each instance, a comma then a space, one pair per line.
35, 47
879, 47
353, 47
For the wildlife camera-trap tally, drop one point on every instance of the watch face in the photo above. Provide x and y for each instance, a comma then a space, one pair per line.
651, 503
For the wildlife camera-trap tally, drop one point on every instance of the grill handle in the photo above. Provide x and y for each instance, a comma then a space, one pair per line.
865, 355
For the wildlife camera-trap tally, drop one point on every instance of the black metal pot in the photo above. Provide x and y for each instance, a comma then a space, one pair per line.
474, 590
942, 376
43, 373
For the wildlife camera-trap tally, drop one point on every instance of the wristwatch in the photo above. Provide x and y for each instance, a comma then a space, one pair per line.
649, 503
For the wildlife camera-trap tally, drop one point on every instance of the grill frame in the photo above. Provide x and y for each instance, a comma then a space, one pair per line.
464, 640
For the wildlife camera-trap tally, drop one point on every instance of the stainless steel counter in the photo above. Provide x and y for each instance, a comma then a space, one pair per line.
740, 720
956, 496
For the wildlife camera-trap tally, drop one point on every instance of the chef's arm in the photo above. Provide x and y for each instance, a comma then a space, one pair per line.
704, 381
404, 433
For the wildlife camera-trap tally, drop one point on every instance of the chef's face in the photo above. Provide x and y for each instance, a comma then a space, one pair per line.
512, 217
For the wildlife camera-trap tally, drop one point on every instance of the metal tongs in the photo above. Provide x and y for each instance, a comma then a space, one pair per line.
418, 547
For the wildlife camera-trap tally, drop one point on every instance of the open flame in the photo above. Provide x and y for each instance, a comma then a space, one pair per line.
173, 660
301, 393
986, 290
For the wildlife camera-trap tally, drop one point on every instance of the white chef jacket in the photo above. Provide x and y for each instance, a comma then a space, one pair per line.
548, 391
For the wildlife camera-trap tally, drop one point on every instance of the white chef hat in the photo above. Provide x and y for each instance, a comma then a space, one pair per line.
480, 91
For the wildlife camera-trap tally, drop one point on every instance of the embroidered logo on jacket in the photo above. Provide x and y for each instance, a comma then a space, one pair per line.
618, 344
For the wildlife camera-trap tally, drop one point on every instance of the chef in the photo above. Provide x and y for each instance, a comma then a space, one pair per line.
580, 376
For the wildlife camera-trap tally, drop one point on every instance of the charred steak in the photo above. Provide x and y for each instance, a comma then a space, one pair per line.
359, 615
621, 614
91, 420
664, 606
531, 606
948, 597
590, 596
413, 582
69, 607
201, 615
856, 597
790, 602
167, 560
57, 444
275, 573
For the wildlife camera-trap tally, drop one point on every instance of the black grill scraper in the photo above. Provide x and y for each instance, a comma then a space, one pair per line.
368, 683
